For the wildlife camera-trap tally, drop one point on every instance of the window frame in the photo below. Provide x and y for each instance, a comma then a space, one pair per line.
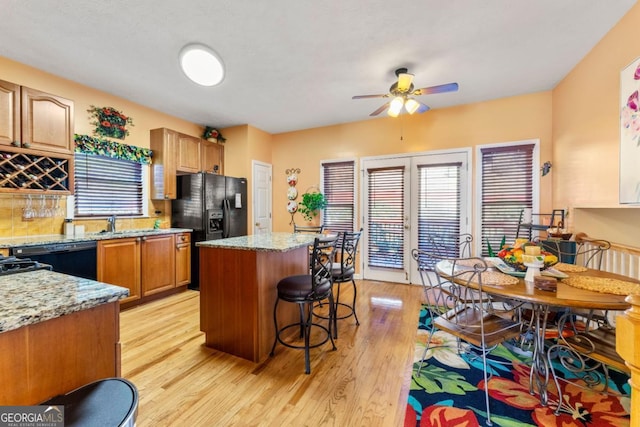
535, 184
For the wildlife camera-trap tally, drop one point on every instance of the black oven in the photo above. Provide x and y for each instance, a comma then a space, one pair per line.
74, 258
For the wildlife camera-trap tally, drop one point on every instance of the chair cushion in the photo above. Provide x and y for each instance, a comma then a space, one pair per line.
338, 276
298, 288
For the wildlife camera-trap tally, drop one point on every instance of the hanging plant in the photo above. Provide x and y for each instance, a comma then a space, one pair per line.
310, 205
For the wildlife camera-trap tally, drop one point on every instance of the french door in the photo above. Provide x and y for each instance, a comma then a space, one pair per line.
404, 200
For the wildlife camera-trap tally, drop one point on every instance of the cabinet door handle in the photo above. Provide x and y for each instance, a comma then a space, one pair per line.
15, 143
26, 145
144, 239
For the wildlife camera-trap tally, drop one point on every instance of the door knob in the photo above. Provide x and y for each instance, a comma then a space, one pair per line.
257, 224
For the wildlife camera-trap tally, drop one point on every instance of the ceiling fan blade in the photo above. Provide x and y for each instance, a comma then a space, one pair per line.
404, 82
381, 109
449, 87
386, 95
422, 108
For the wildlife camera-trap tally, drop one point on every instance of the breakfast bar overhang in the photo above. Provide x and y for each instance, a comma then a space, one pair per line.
238, 280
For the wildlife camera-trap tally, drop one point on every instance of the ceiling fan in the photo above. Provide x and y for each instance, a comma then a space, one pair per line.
402, 91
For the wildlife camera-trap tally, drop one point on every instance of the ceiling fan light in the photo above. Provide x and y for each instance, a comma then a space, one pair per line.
201, 65
404, 81
395, 106
411, 105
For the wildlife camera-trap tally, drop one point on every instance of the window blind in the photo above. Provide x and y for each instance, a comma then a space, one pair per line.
106, 186
507, 188
386, 217
339, 191
439, 208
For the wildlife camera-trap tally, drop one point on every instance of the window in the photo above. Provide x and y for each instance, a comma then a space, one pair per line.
105, 186
338, 182
507, 179
439, 207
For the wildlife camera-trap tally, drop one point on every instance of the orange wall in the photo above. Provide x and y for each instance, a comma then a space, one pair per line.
503, 120
586, 138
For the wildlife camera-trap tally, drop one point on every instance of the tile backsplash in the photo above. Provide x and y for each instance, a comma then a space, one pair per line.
13, 224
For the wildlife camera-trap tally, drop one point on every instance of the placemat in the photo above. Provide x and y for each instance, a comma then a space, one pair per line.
603, 285
569, 268
494, 278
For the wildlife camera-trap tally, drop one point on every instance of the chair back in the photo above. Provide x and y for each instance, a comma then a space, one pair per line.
348, 247
322, 256
310, 229
586, 252
447, 245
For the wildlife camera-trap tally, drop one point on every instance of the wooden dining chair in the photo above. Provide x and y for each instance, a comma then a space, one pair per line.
458, 305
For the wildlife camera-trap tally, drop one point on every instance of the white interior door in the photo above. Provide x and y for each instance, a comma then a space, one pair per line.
405, 199
386, 248
440, 201
262, 190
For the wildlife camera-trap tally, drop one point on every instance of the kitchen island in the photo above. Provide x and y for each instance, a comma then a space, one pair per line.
57, 333
238, 279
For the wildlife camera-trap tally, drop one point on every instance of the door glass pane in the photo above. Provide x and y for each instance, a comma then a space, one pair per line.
439, 208
386, 217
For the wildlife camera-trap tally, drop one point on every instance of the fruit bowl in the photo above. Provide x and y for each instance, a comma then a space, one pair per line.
514, 256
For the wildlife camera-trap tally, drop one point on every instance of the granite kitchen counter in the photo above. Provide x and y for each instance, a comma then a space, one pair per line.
60, 238
269, 242
36, 296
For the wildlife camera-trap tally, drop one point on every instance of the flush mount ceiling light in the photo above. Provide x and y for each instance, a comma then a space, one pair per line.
201, 64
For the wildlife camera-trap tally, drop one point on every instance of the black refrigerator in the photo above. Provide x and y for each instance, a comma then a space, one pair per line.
213, 206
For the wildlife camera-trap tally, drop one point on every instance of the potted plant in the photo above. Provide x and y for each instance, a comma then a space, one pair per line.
310, 205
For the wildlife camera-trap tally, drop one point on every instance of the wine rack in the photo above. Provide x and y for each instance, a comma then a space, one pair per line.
35, 172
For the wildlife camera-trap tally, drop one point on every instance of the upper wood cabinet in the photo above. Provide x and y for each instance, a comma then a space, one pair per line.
163, 169
35, 120
212, 157
188, 154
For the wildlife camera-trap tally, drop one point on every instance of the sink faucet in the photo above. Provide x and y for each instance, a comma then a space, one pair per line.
111, 224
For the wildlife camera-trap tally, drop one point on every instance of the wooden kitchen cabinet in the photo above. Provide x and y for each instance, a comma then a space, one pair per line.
212, 157
163, 170
157, 264
183, 259
35, 120
149, 266
119, 264
188, 154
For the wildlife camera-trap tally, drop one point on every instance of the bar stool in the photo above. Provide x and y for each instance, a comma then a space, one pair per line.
343, 272
305, 290
106, 402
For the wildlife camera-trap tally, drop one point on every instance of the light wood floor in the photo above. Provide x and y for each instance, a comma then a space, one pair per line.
363, 383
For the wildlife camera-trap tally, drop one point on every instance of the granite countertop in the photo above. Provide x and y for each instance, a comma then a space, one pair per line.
60, 238
269, 242
35, 296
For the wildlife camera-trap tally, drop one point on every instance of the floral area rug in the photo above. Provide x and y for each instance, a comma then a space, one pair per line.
449, 391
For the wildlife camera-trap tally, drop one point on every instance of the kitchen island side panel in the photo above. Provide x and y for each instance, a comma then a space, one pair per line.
238, 289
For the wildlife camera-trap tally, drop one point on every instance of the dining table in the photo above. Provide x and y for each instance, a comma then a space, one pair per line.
543, 302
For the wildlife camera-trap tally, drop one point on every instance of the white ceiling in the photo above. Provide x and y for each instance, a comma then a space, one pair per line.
295, 64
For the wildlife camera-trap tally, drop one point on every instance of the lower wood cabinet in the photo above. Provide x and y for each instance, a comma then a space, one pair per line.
119, 264
183, 259
158, 264
146, 265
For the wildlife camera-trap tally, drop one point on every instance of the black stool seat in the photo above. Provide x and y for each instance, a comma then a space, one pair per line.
109, 402
298, 289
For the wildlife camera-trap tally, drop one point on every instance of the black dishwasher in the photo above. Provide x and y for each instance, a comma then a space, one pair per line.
74, 258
